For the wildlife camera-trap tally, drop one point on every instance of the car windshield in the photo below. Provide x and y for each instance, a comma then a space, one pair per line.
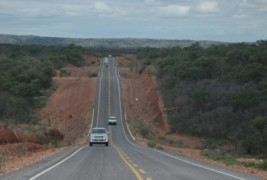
98, 131
112, 118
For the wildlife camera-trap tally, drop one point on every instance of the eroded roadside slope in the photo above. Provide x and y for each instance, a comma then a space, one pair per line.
147, 116
69, 110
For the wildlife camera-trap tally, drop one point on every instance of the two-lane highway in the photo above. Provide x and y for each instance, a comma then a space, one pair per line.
123, 159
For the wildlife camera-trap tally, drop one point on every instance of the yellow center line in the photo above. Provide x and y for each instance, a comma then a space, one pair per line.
123, 156
142, 171
136, 173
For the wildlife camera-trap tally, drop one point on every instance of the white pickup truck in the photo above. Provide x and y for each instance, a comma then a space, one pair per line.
98, 135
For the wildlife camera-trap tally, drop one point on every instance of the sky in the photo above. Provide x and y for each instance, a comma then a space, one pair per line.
216, 20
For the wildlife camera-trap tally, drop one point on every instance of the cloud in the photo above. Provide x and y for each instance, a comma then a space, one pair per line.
239, 16
102, 7
103, 10
30, 9
151, 2
208, 7
248, 26
174, 10
142, 18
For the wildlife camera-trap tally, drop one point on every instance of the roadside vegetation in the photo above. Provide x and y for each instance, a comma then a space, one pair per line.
26, 75
218, 93
25, 84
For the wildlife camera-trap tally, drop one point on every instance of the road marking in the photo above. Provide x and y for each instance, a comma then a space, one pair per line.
92, 121
124, 158
57, 164
120, 107
120, 152
142, 171
129, 128
133, 169
99, 95
198, 165
109, 105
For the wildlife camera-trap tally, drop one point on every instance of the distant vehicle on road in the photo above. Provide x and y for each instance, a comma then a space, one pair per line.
98, 135
112, 120
106, 61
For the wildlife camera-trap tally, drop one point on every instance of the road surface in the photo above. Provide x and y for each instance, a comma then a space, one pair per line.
123, 159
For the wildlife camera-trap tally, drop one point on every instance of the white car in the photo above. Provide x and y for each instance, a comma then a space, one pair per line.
112, 120
98, 135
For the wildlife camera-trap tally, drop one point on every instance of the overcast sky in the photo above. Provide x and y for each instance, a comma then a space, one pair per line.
220, 20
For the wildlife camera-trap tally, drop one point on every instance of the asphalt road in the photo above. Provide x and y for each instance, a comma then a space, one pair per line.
123, 159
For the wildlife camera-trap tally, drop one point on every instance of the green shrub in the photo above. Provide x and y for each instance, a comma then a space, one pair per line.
157, 120
64, 73
151, 144
162, 138
130, 65
145, 132
222, 157
159, 147
54, 136
142, 68
180, 144
2, 160
141, 128
262, 165
212, 143
94, 74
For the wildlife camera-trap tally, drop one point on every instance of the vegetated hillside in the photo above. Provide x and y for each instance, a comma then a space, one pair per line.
26, 75
100, 42
217, 92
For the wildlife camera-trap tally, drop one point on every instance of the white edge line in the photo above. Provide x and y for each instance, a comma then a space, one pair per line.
74, 153
92, 121
121, 116
166, 154
198, 165
128, 127
99, 95
57, 164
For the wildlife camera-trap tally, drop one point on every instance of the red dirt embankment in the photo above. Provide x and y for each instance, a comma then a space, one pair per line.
143, 100
69, 110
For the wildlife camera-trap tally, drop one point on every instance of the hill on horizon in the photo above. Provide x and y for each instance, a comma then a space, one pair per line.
101, 42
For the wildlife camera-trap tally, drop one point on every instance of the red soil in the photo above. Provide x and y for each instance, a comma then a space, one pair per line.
68, 110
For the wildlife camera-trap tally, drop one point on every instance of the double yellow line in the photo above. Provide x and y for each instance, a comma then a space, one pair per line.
125, 159
119, 151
